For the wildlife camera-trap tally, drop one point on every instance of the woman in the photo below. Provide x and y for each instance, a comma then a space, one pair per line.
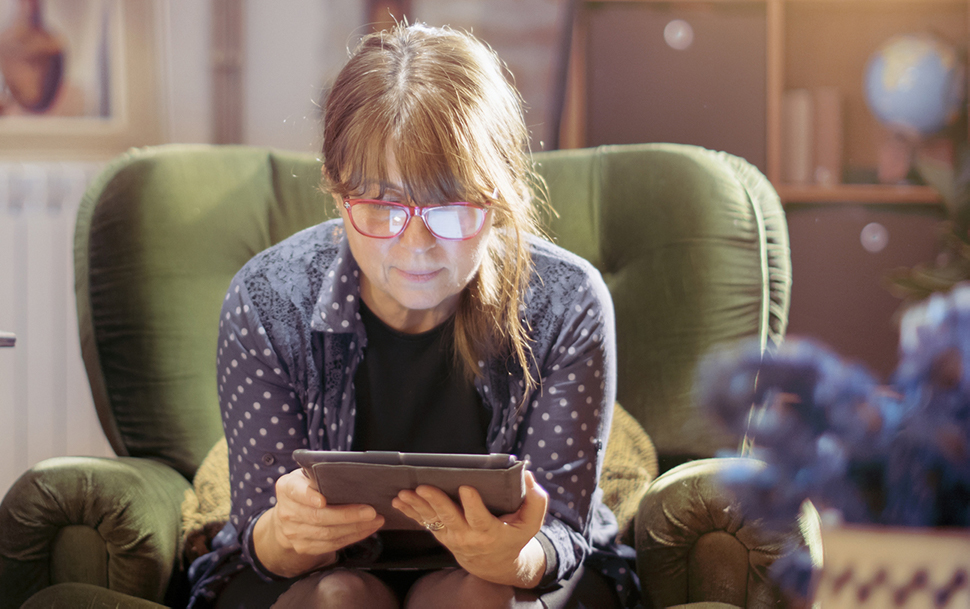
428, 318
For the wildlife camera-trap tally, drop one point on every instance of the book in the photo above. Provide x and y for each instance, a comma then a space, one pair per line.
798, 115
828, 135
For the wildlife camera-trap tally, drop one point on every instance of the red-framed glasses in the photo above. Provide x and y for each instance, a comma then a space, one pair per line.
386, 219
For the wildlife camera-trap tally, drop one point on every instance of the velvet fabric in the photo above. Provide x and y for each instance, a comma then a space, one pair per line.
694, 543
692, 244
106, 522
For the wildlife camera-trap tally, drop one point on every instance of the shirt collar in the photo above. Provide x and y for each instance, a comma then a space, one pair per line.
338, 303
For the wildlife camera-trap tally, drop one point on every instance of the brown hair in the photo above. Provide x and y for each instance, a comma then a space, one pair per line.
438, 100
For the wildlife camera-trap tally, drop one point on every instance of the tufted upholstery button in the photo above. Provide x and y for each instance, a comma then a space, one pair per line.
268, 459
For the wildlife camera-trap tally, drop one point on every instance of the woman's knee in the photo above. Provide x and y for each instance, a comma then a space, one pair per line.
338, 588
458, 588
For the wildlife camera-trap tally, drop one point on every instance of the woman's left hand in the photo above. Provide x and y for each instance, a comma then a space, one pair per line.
498, 549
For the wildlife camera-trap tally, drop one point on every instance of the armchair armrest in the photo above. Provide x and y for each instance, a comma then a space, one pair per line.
694, 543
128, 513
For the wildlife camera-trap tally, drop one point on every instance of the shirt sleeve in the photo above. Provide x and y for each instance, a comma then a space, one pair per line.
262, 417
568, 419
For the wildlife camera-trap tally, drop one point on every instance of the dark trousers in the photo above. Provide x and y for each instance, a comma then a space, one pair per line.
586, 589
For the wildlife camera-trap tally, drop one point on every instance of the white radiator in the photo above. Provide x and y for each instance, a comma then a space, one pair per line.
46, 408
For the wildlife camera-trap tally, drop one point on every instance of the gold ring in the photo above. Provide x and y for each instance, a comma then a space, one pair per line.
437, 525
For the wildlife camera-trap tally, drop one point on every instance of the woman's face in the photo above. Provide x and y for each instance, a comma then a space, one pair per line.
412, 281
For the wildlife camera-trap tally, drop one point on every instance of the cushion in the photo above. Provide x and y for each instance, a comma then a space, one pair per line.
206, 506
629, 466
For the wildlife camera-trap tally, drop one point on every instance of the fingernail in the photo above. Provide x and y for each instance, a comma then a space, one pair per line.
366, 513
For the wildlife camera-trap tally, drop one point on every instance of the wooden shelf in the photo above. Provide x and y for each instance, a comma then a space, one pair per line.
809, 45
859, 193
826, 43
842, 2
878, 2
710, 1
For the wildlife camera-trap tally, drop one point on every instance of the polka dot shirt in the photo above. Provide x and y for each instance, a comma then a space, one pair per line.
290, 341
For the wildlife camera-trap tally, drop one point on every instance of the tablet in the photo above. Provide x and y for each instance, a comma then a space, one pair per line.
375, 477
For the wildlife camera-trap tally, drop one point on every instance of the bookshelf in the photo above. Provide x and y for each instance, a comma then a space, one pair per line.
808, 44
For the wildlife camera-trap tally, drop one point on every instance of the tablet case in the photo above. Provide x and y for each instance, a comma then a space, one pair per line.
375, 478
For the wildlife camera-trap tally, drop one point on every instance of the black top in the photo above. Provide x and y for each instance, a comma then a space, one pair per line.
411, 397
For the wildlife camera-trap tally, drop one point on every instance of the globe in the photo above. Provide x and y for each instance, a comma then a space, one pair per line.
914, 83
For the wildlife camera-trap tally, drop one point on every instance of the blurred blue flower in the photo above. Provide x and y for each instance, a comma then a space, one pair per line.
891, 454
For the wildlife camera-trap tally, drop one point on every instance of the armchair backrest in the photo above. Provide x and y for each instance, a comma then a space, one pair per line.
692, 243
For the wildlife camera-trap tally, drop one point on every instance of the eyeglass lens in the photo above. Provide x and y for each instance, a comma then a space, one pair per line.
445, 221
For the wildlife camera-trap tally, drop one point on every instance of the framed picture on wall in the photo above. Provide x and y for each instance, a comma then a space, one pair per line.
77, 78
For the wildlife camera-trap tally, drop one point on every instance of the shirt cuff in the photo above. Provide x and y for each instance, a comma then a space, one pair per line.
250, 553
550, 576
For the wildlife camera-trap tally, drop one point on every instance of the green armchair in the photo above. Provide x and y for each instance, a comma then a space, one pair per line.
692, 243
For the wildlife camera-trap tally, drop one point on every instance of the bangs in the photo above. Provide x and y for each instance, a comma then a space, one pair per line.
432, 170
435, 170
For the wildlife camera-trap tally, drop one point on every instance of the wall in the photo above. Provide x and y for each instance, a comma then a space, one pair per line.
184, 69
294, 49
291, 49
711, 93
840, 292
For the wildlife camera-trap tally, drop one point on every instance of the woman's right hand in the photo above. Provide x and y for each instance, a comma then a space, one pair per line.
301, 532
